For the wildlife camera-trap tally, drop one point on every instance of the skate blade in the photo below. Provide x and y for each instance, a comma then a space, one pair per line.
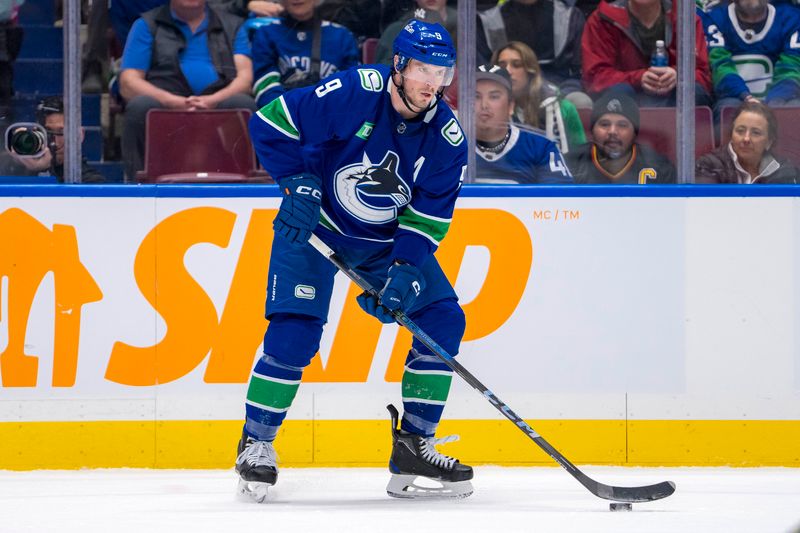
409, 486
252, 491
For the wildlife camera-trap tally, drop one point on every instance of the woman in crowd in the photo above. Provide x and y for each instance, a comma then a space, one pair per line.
537, 102
747, 157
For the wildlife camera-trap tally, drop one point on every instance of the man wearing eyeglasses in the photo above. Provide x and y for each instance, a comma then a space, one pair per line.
50, 115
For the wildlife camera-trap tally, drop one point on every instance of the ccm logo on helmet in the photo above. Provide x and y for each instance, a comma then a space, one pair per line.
305, 189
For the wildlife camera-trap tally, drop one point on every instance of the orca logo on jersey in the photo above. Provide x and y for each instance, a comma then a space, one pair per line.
372, 193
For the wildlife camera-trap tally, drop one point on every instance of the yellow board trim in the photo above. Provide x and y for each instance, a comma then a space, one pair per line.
212, 444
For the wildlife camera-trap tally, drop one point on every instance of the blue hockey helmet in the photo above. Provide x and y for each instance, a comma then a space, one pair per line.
425, 42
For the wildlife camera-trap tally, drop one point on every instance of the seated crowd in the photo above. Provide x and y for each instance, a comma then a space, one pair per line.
545, 64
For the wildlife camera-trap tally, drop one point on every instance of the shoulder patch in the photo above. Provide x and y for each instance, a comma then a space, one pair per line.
452, 132
371, 79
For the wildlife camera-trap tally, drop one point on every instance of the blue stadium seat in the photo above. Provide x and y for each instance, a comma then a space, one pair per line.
42, 42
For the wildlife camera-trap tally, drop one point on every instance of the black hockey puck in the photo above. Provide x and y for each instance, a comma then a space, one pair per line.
616, 506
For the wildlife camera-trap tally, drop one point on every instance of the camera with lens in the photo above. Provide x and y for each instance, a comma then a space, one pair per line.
26, 139
300, 78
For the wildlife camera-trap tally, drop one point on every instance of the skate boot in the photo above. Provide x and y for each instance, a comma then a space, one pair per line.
415, 456
257, 468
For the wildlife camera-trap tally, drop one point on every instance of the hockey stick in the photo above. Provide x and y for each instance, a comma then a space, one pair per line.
619, 494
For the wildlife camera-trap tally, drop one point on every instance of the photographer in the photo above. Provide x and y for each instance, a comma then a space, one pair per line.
298, 49
50, 159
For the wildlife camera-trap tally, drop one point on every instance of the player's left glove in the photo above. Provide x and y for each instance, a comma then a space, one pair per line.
299, 211
404, 284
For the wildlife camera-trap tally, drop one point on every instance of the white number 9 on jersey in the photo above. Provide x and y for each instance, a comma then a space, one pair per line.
332, 85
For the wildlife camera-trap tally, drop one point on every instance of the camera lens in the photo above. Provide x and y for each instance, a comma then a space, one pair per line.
27, 141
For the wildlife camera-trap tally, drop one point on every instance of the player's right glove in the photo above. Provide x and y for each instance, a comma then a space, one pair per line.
299, 211
370, 305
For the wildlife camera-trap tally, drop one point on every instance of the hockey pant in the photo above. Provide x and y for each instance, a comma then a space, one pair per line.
293, 340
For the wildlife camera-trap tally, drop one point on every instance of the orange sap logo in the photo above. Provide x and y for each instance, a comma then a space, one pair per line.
29, 252
227, 341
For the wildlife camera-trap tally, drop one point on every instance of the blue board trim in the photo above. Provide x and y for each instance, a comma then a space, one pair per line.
468, 191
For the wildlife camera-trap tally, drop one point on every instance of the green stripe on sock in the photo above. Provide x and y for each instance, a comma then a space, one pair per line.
271, 393
426, 386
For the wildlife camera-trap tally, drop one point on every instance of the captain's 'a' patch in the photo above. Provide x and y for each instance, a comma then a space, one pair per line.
452, 132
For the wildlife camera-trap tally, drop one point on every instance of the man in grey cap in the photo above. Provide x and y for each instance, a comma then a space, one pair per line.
507, 153
614, 156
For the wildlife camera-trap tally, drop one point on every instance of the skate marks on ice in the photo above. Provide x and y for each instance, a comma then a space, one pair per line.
354, 499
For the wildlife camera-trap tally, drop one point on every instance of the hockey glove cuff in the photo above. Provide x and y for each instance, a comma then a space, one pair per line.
369, 303
404, 284
299, 211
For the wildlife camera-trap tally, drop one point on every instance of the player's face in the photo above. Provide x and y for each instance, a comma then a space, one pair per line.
750, 137
422, 81
493, 106
614, 135
299, 9
511, 60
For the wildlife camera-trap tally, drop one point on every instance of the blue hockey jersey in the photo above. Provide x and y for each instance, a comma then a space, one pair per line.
386, 180
283, 46
763, 63
527, 157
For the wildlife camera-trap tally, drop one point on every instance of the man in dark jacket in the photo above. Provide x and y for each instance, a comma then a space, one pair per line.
183, 55
614, 156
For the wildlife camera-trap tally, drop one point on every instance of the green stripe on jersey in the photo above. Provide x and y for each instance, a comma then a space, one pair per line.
266, 82
431, 227
276, 394
422, 385
277, 115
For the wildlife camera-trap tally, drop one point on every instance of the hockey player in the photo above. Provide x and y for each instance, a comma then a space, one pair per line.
508, 154
372, 162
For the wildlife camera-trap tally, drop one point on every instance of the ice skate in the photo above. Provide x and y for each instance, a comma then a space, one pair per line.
257, 466
420, 471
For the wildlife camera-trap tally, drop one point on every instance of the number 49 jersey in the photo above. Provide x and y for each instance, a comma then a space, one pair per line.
386, 180
764, 63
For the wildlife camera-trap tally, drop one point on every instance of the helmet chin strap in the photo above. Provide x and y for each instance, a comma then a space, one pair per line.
402, 92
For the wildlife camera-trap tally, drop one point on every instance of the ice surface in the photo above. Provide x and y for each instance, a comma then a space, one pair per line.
752, 500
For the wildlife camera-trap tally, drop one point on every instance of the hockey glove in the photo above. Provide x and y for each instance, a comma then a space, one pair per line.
404, 284
369, 303
299, 212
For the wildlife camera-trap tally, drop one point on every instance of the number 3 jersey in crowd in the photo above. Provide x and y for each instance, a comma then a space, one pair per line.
525, 156
386, 180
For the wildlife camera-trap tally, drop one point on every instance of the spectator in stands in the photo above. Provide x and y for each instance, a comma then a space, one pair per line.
508, 154
538, 102
618, 43
299, 49
754, 52
551, 28
614, 156
50, 115
748, 157
361, 17
434, 11
184, 55
10, 44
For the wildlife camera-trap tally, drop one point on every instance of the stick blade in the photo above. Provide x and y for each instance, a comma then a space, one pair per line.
647, 493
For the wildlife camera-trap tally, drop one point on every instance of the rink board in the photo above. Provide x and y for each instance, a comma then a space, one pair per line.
628, 326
